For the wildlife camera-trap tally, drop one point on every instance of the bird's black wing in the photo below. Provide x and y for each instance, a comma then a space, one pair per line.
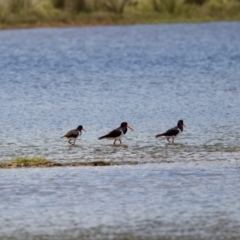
72, 133
113, 134
171, 132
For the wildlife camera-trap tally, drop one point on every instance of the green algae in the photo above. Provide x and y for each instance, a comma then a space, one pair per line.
36, 162
26, 162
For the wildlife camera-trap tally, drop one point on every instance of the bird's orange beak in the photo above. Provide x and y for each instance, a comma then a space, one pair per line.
84, 130
184, 125
130, 127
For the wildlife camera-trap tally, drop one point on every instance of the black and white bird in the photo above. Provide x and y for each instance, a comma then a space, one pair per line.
173, 132
117, 133
72, 135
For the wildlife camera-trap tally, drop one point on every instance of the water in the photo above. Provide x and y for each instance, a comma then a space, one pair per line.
121, 202
54, 79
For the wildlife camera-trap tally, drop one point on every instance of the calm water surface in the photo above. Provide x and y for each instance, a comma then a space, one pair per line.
53, 80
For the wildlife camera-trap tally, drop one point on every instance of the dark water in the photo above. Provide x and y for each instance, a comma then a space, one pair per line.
53, 80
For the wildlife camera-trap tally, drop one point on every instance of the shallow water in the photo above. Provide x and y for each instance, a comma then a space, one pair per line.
156, 201
54, 79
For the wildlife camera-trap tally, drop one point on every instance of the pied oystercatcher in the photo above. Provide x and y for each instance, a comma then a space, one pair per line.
117, 133
72, 135
173, 132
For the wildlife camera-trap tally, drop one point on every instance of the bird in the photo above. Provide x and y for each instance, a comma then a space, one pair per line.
117, 133
173, 132
73, 134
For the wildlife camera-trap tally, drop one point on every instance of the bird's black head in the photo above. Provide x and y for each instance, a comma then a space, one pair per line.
181, 124
80, 128
124, 124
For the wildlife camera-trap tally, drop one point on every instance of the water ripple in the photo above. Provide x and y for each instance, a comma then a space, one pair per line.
53, 80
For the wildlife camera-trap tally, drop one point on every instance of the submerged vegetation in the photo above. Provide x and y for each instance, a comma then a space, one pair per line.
27, 162
30, 13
